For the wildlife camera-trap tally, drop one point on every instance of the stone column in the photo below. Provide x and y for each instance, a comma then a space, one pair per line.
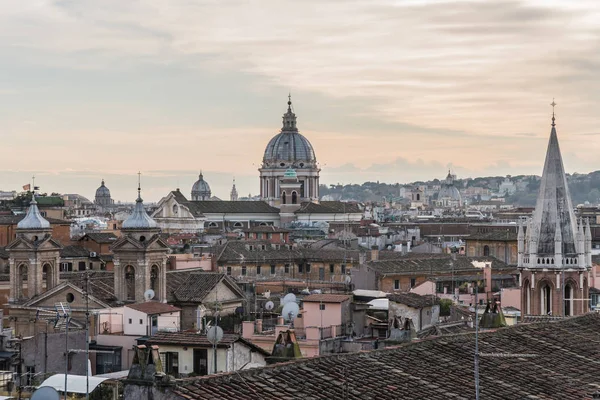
118, 277
13, 281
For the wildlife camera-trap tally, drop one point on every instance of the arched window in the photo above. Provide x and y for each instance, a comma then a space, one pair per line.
48, 277
486, 250
213, 225
418, 197
129, 283
283, 198
546, 299
568, 306
238, 225
22, 292
527, 297
294, 197
175, 209
155, 281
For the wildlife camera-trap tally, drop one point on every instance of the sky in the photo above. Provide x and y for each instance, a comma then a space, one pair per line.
388, 90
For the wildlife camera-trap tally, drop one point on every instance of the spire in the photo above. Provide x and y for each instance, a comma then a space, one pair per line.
139, 219
139, 198
234, 194
33, 219
553, 207
289, 118
553, 104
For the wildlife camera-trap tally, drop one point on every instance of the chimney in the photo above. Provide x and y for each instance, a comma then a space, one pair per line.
487, 273
374, 253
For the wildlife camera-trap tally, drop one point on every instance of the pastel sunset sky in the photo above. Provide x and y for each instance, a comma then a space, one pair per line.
388, 90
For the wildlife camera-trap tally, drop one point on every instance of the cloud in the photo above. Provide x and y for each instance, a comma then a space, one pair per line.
120, 86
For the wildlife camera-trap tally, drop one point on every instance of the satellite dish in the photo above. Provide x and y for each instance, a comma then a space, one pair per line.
289, 298
290, 311
45, 393
214, 334
267, 294
269, 305
239, 310
306, 291
317, 291
348, 279
149, 294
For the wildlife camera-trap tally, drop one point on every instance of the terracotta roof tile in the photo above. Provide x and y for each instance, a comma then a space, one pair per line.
413, 300
153, 307
543, 361
326, 298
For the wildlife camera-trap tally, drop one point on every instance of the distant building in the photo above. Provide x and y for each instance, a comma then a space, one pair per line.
449, 195
289, 150
507, 187
201, 189
103, 198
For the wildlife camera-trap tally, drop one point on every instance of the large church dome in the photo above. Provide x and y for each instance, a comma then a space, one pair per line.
201, 189
289, 147
102, 191
448, 191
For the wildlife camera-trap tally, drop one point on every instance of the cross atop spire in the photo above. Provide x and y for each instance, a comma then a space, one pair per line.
553, 104
139, 185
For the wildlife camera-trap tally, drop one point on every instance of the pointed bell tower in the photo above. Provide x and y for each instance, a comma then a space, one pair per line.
140, 257
34, 257
555, 252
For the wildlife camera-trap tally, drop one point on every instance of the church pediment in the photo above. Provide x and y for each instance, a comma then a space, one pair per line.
157, 244
20, 244
127, 243
59, 294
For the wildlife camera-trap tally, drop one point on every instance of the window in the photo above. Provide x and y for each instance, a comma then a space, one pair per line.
486, 250
272, 270
30, 374
413, 282
397, 284
300, 268
331, 268
258, 270
228, 270
243, 270
170, 361
307, 268
286, 268
343, 269
82, 265
130, 321
141, 321
321, 306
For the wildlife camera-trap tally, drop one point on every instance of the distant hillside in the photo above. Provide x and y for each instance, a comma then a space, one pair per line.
583, 188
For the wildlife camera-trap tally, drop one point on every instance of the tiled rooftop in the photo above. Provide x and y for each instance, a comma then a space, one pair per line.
413, 300
534, 361
194, 286
101, 237
153, 307
435, 264
326, 298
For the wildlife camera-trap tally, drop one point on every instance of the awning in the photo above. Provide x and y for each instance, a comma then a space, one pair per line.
75, 383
